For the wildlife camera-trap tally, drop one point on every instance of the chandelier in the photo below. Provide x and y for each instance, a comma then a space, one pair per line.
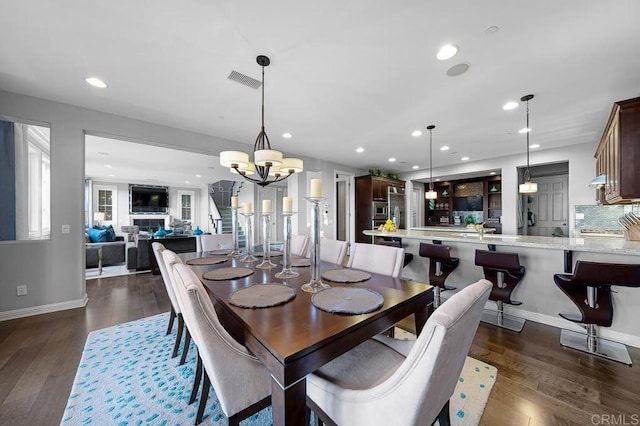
267, 163
430, 194
527, 187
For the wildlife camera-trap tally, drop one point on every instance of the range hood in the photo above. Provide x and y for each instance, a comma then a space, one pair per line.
598, 181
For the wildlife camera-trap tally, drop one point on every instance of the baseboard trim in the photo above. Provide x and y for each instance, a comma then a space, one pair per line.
558, 322
44, 309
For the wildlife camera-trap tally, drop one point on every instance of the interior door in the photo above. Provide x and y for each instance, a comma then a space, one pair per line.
549, 208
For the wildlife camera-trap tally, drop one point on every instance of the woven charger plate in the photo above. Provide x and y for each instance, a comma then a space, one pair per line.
347, 300
207, 260
262, 296
299, 262
346, 275
224, 274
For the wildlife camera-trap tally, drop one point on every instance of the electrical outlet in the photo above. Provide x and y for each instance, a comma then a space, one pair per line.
21, 290
65, 229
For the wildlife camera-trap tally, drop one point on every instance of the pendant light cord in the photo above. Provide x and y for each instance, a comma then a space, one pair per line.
430, 128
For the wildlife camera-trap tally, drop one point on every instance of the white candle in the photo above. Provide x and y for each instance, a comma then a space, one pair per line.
266, 206
234, 202
287, 205
316, 188
247, 208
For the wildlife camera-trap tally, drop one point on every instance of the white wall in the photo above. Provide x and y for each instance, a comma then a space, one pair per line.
53, 270
582, 169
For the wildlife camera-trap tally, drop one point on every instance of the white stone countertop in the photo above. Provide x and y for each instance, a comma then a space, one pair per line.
452, 228
613, 245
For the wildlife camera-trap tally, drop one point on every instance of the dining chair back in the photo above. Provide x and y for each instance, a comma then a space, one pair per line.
333, 251
158, 249
404, 382
379, 259
166, 259
213, 242
299, 245
242, 384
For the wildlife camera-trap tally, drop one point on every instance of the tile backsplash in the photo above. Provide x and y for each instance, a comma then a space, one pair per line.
601, 218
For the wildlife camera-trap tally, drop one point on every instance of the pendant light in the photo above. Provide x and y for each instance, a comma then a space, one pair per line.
430, 194
527, 187
267, 163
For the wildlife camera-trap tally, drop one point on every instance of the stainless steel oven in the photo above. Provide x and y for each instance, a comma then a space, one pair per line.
380, 210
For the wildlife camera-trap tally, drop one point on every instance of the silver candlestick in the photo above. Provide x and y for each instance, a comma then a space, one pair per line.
234, 232
249, 257
286, 257
266, 243
316, 284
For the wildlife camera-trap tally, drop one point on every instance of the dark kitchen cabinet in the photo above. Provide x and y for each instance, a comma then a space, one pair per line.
369, 189
618, 154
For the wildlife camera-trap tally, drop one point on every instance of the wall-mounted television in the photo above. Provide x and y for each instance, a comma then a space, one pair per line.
148, 199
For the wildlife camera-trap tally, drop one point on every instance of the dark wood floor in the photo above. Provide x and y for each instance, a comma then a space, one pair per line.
539, 382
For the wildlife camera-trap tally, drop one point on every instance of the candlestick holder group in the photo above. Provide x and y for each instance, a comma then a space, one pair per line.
266, 243
315, 284
286, 256
249, 257
234, 232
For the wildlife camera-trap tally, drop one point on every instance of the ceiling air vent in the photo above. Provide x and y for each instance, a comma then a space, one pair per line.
244, 79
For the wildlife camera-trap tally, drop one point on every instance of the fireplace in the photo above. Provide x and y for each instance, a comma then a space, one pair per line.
150, 223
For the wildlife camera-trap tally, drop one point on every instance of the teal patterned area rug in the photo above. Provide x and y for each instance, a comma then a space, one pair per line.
127, 377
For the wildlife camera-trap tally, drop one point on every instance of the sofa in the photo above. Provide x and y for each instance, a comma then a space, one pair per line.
138, 253
113, 247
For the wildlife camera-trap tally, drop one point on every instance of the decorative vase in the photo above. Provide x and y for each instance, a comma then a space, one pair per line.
160, 232
197, 231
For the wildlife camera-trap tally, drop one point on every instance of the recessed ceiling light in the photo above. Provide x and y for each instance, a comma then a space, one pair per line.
492, 173
415, 167
359, 149
108, 166
391, 160
457, 70
286, 135
198, 176
96, 82
524, 130
444, 148
102, 153
186, 181
510, 105
112, 175
491, 30
416, 133
447, 51
465, 158
534, 146
437, 179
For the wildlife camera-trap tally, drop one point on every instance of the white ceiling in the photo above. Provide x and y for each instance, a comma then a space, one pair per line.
343, 74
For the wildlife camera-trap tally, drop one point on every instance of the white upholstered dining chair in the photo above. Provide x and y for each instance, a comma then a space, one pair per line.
379, 259
241, 383
213, 242
333, 251
385, 381
299, 245
158, 250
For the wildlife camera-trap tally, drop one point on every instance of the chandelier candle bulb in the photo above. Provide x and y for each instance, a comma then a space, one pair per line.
266, 206
247, 208
287, 205
316, 188
234, 202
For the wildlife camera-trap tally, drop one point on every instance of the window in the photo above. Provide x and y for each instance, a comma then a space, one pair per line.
38, 175
105, 202
186, 205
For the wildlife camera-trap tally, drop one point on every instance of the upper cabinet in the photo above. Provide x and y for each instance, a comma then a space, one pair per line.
618, 153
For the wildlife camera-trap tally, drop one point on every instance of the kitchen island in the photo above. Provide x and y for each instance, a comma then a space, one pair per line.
542, 257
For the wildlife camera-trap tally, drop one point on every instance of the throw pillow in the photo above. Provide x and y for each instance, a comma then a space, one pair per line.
99, 235
110, 231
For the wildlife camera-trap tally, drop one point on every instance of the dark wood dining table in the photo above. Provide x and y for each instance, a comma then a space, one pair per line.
296, 338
